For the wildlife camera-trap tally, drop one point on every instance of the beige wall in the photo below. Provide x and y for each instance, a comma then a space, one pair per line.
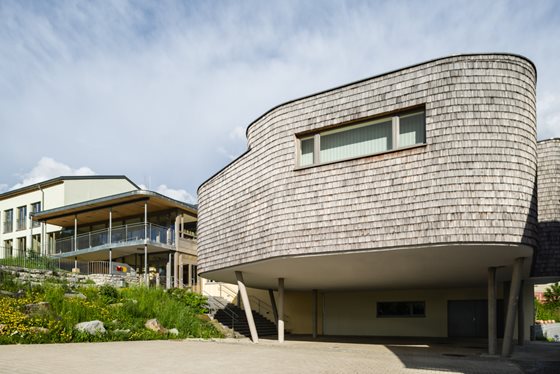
354, 312
77, 190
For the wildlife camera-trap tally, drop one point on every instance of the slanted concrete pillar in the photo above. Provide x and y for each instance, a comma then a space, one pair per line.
512, 306
492, 314
314, 313
280, 310
273, 304
110, 239
247, 306
146, 271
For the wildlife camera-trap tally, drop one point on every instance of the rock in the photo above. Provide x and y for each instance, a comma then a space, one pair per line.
91, 327
39, 330
75, 295
154, 325
38, 308
173, 331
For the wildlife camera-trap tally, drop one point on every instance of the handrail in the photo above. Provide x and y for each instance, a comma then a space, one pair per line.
127, 233
230, 313
263, 304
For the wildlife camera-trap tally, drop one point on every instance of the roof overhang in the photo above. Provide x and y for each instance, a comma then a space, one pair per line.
122, 205
421, 267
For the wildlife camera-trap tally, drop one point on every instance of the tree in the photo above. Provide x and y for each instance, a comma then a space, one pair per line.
552, 294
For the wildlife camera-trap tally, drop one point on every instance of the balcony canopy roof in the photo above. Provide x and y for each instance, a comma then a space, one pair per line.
128, 204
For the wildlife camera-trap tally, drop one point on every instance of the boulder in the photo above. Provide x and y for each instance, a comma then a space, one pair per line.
75, 295
37, 308
91, 327
154, 325
39, 330
173, 331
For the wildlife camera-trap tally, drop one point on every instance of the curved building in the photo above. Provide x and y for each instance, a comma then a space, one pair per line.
387, 206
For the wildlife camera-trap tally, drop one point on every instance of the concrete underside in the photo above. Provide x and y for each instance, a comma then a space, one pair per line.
419, 267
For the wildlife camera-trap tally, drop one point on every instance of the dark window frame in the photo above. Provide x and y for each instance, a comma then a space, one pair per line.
409, 304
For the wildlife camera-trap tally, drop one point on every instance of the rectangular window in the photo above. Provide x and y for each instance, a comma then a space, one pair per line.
363, 139
401, 309
8, 248
21, 244
35, 208
36, 243
21, 217
8, 220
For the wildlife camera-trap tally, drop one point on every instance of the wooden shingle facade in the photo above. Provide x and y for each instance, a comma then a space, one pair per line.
473, 181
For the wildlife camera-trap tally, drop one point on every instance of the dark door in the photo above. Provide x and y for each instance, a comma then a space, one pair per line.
469, 318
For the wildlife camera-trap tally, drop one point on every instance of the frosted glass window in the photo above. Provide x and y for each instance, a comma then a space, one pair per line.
356, 142
306, 157
412, 129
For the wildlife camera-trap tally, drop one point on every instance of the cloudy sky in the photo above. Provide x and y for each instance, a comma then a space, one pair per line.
162, 91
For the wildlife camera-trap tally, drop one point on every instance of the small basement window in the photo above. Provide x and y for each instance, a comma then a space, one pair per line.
363, 139
401, 309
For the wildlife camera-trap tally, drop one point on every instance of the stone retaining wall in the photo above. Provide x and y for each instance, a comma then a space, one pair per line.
39, 276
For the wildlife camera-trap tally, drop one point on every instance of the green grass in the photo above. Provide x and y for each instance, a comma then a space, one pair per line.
125, 309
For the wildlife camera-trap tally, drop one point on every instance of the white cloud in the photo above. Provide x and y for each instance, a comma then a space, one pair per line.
238, 133
177, 194
549, 115
3, 187
48, 168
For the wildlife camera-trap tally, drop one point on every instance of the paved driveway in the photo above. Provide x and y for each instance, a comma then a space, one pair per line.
241, 356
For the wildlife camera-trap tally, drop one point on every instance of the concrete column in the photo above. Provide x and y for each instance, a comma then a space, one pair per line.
181, 280
76, 233
168, 273
492, 312
110, 240
146, 272
43, 247
273, 304
520, 317
189, 281
280, 310
247, 306
314, 294
175, 270
512, 306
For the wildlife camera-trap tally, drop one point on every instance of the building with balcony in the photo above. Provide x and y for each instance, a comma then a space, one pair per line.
145, 230
106, 221
18, 233
400, 205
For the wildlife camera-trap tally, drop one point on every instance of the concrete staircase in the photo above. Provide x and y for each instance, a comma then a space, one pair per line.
233, 317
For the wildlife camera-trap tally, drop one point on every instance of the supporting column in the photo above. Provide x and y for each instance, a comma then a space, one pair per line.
110, 241
247, 306
75, 232
492, 315
146, 275
43, 250
273, 304
520, 317
314, 314
512, 306
190, 276
168, 273
175, 270
280, 310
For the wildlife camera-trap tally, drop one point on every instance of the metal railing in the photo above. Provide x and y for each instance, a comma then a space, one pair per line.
119, 235
215, 304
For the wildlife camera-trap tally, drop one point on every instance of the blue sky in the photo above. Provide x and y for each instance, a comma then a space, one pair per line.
162, 91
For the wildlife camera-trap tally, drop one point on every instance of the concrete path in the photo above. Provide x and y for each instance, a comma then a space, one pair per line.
241, 356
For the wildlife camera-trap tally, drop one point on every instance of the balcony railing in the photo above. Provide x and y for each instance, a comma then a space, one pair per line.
119, 235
